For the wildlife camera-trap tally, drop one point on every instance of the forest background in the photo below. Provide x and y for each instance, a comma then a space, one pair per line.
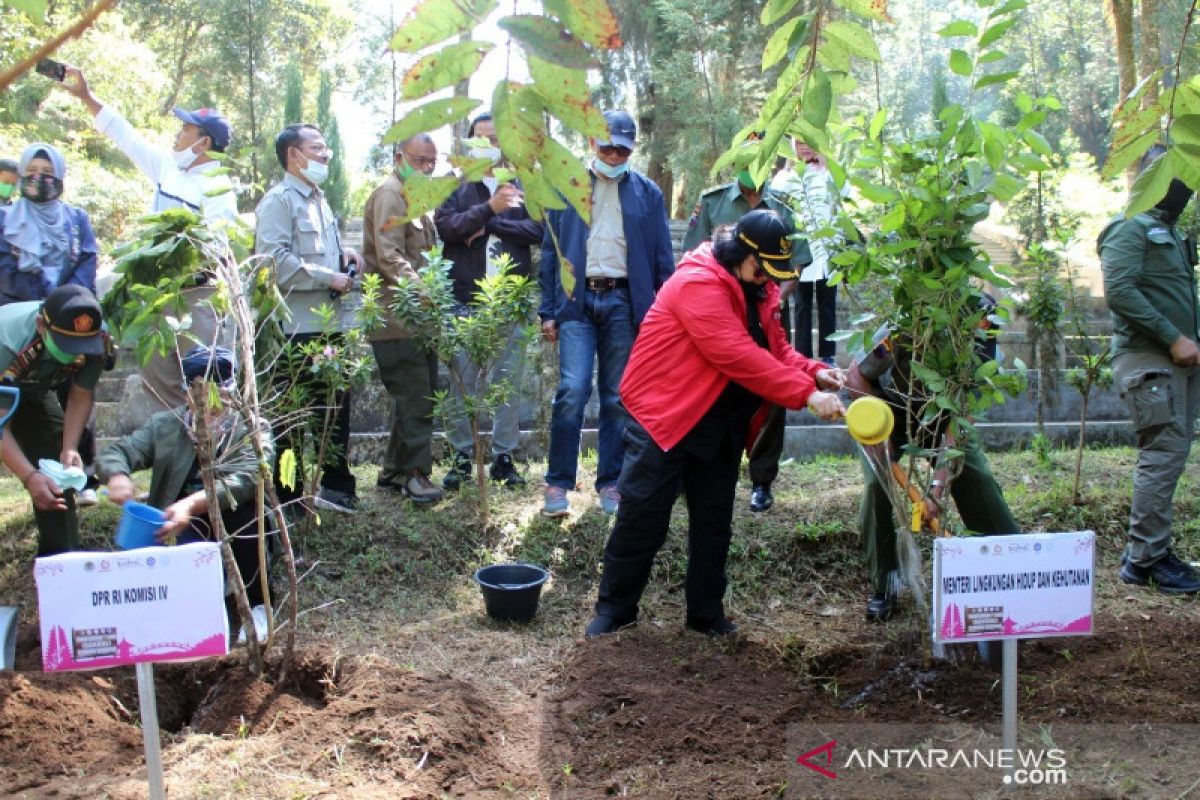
691, 73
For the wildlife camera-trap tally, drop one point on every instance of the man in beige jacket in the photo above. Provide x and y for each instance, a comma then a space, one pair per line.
407, 367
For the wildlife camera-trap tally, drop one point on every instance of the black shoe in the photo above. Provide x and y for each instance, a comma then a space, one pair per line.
460, 472
602, 624
880, 607
504, 471
721, 626
388, 484
761, 498
1169, 575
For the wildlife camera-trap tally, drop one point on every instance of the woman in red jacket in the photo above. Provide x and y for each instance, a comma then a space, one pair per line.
710, 351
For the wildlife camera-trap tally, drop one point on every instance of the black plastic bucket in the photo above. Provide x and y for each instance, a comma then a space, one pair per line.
511, 591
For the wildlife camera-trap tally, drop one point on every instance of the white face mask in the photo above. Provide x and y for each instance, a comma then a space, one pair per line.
492, 153
185, 158
316, 172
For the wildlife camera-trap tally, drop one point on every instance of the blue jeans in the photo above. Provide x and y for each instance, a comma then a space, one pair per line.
606, 332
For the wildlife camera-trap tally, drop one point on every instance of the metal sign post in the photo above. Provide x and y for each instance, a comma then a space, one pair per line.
1008, 679
148, 706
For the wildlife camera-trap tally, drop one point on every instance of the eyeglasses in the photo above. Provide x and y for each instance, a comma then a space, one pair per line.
419, 161
609, 149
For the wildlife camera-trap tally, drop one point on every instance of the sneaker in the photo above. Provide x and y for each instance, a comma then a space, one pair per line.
880, 607
387, 482
505, 471
610, 498
461, 471
761, 498
602, 625
261, 626
420, 489
1169, 575
721, 626
555, 502
341, 502
85, 498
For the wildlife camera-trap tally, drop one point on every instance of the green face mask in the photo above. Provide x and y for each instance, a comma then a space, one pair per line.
58, 354
405, 170
6, 190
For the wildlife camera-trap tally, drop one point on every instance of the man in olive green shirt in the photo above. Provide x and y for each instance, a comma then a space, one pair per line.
1150, 287
41, 345
725, 205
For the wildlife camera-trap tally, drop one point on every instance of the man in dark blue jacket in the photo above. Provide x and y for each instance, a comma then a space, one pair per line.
593, 299
481, 221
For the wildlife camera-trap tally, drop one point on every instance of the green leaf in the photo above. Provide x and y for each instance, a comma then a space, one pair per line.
776, 10
444, 68
287, 468
471, 169
857, 39
566, 95
960, 27
519, 123
430, 116
433, 21
1038, 144
1186, 129
34, 9
589, 21
998, 77
545, 38
833, 55
567, 174
1119, 160
876, 193
539, 194
1008, 8
1151, 186
1005, 187
960, 62
992, 56
780, 42
993, 33
877, 123
893, 219
818, 100
871, 9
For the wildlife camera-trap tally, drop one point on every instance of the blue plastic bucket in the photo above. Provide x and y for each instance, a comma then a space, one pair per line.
511, 591
138, 524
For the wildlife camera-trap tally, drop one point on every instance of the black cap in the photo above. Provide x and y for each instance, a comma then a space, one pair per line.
214, 363
72, 313
768, 235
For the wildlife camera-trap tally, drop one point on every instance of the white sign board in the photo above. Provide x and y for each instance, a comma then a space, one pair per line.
1013, 587
136, 606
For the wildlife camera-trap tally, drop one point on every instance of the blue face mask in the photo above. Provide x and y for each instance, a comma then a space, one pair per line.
610, 172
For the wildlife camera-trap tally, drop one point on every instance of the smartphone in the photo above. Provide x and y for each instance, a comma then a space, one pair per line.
52, 69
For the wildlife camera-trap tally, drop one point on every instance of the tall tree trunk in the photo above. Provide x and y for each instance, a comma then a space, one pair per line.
251, 92
1151, 48
1119, 14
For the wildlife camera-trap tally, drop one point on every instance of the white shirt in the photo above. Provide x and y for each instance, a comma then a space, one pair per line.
606, 237
211, 196
814, 197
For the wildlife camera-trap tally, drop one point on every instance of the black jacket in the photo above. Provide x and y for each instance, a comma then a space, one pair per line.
466, 212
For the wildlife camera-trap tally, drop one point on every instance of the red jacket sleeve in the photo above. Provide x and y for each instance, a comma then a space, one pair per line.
711, 318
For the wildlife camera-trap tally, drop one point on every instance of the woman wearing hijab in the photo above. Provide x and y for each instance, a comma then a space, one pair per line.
46, 243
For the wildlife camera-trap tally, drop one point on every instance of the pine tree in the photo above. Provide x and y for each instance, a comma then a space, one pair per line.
337, 185
293, 101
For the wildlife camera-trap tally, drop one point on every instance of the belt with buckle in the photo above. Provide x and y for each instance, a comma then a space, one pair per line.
606, 284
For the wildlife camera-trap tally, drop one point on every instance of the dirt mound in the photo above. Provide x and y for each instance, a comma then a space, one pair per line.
644, 710
59, 724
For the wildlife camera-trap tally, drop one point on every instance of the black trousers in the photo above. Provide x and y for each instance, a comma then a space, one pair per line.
764, 461
335, 472
649, 483
242, 524
826, 302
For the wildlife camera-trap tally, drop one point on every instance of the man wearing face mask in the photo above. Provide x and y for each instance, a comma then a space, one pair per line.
725, 205
711, 350
479, 222
184, 175
408, 368
297, 231
1150, 288
41, 346
9, 175
617, 265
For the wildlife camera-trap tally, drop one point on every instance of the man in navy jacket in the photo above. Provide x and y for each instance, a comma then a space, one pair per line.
616, 266
479, 222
